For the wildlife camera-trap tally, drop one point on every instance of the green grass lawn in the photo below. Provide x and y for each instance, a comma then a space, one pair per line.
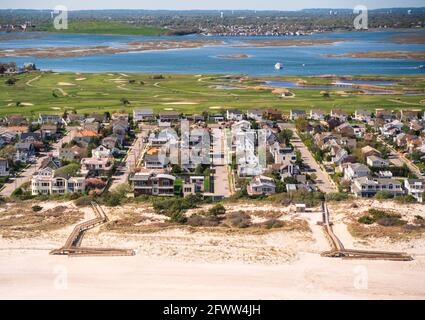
55, 93
106, 27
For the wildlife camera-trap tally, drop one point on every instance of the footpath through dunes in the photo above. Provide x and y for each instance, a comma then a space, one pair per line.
73, 247
339, 251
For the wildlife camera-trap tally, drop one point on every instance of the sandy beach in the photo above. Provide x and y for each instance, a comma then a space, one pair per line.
178, 263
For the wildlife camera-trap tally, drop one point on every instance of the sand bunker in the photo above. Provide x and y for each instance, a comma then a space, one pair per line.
80, 79
26, 104
215, 108
65, 84
168, 109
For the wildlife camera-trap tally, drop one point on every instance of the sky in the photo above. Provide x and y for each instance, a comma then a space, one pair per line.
206, 4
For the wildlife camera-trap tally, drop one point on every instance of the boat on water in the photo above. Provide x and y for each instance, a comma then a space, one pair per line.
278, 66
421, 66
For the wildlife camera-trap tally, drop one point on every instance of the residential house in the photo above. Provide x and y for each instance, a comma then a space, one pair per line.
355, 170
24, 152
410, 115
153, 183
415, 188
15, 120
369, 151
91, 126
120, 127
50, 119
169, 116
140, 115
74, 118
48, 131
120, 116
74, 153
48, 181
153, 160
31, 137
339, 114
98, 117
345, 130
377, 162
97, 166
111, 142
255, 114
241, 126
86, 136
317, 115
234, 115
102, 152
216, 117
295, 114
195, 184
261, 185
369, 187
273, 114
384, 114
4, 168
363, 115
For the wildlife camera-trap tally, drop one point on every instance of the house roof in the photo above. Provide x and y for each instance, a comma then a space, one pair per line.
87, 133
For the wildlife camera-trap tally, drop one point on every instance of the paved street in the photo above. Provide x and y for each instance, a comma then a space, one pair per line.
130, 162
398, 155
26, 175
220, 176
323, 181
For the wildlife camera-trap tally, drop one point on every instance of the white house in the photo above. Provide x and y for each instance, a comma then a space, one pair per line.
295, 114
234, 115
4, 168
363, 115
261, 185
355, 170
255, 114
415, 188
48, 181
143, 115
377, 162
102, 152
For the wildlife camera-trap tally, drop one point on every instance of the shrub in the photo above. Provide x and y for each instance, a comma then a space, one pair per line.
83, 201
240, 219
390, 222
201, 221
366, 220
406, 199
218, 209
384, 195
178, 217
337, 196
273, 223
37, 208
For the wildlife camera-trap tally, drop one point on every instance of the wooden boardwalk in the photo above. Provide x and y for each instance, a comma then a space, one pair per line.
73, 247
339, 251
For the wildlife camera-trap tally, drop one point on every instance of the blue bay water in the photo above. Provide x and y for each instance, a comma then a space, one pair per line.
302, 60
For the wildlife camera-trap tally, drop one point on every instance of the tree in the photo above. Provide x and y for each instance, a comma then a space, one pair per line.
285, 136
11, 81
125, 101
301, 124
